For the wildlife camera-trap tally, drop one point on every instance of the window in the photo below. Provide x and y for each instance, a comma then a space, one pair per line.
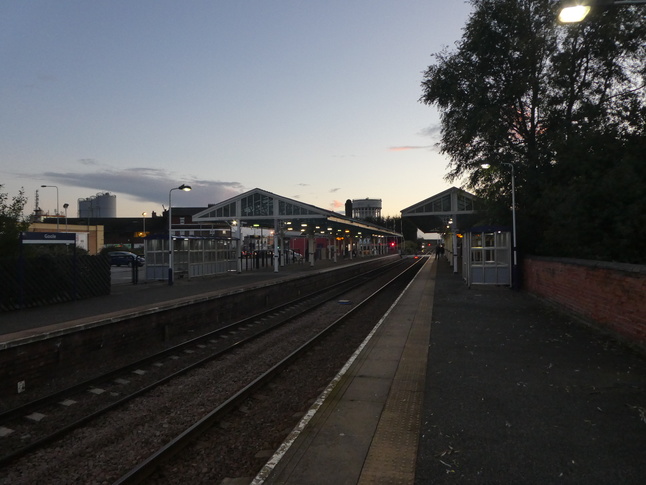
228, 210
287, 209
465, 203
490, 248
257, 205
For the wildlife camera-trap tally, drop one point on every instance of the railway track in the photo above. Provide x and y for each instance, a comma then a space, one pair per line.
207, 355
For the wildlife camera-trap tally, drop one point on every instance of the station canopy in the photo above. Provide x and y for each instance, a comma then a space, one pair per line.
259, 208
436, 213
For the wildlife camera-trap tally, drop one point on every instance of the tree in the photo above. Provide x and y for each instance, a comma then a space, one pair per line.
11, 221
521, 89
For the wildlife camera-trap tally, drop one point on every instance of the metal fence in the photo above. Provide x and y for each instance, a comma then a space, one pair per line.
27, 282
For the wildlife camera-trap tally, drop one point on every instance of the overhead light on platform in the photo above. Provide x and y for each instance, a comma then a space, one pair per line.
573, 14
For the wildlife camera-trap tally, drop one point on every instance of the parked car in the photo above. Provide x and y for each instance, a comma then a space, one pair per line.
125, 258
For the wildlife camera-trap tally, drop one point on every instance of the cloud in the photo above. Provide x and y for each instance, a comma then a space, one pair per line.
407, 147
335, 204
432, 131
147, 184
334, 190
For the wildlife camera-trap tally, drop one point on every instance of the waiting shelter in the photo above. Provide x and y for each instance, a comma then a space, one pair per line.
449, 213
488, 252
283, 217
194, 255
482, 252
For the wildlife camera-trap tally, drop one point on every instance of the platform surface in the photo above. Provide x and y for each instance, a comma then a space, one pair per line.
457, 385
483, 385
128, 297
366, 429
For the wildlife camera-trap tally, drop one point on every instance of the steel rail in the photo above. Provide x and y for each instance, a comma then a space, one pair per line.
81, 386
317, 298
147, 467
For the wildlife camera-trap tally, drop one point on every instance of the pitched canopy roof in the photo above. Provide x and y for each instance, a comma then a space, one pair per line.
433, 214
260, 208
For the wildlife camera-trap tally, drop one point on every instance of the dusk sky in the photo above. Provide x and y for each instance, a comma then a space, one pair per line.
313, 100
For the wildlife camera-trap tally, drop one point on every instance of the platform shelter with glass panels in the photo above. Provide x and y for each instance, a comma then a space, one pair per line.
481, 253
450, 213
193, 256
284, 217
488, 253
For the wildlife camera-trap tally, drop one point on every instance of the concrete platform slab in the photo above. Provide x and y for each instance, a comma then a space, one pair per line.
367, 428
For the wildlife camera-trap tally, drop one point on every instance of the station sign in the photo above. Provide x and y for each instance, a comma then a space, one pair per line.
48, 237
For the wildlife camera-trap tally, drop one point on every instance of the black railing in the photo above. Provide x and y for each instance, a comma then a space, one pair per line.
45, 280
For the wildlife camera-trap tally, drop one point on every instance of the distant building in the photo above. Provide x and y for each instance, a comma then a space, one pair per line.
99, 205
129, 232
91, 238
364, 208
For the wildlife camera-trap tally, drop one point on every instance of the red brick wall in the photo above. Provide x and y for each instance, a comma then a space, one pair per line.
611, 295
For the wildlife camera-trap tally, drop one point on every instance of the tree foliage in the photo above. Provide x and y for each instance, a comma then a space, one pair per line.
11, 221
566, 106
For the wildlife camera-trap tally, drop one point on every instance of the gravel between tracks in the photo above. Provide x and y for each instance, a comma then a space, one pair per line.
111, 445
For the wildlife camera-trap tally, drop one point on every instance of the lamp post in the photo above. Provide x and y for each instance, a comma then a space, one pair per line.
56, 187
513, 226
185, 188
144, 214
514, 249
237, 225
65, 206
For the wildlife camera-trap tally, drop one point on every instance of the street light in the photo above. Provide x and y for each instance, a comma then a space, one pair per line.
514, 249
575, 13
65, 206
144, 214
576, 10
185, 188
54, 186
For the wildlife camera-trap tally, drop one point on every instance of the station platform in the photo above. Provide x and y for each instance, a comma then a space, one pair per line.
455, 385
364, 428
481, 385
127, 297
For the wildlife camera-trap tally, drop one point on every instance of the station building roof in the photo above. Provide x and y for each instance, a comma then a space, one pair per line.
260, 208
433, 214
